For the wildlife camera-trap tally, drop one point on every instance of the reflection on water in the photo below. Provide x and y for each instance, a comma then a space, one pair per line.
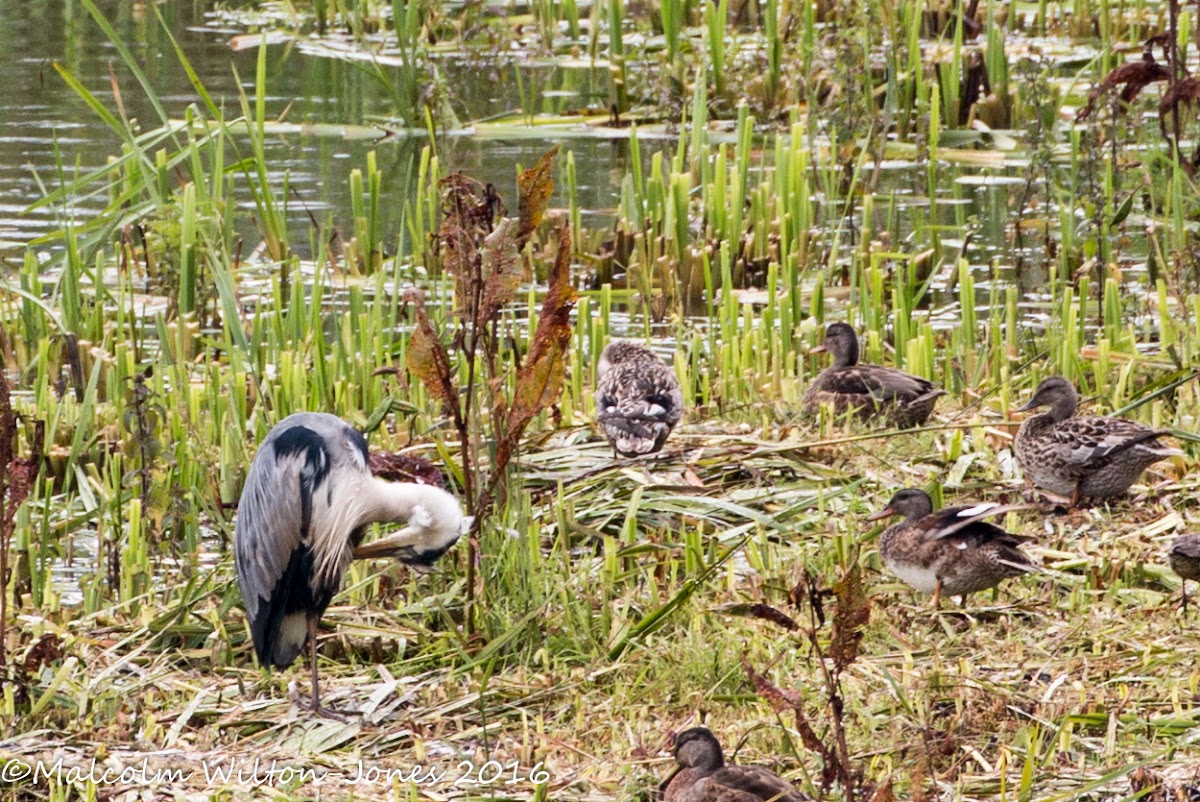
48, 135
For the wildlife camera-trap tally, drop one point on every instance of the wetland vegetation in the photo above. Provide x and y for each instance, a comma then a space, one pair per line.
990, 193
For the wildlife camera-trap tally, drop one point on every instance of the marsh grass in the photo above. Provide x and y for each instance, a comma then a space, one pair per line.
601, 603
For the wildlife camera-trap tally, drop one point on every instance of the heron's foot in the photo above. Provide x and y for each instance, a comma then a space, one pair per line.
321, 711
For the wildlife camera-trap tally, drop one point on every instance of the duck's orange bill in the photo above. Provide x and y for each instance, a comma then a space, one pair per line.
886, 512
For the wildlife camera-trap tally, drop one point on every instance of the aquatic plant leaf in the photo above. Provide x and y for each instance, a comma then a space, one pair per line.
535, 186
850, 615
500, 272
426, 357
17, 476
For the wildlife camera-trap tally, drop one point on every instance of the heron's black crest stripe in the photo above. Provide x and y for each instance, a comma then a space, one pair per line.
302, 440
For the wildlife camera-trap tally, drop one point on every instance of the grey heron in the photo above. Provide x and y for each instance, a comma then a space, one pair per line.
307, 501
638, 400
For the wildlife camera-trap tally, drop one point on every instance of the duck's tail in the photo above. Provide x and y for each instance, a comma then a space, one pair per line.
634, 435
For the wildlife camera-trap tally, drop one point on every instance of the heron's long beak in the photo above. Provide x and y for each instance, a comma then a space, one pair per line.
886, 512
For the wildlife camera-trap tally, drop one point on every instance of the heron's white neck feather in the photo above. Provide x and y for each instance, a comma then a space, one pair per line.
434, 519
420, 506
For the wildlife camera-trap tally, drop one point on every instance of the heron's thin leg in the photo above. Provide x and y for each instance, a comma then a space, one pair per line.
317, 707
312, 659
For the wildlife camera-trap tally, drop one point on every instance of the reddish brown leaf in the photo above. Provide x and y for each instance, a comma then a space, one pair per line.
1185, 91
470, 210
540, 379
851, 614
783, 701
45, 651
535, 186
1133, 76
405, 468
426, 357
541, 375
763, 611
500, 271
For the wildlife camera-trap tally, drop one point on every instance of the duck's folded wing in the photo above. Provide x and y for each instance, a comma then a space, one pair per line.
888, 384
1088, 441
753, 784
641, 399
971, 522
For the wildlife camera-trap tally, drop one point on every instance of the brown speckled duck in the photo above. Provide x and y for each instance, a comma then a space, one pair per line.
952, 551
874, 391
1184, 557
638, 400
703, 775
1085, 457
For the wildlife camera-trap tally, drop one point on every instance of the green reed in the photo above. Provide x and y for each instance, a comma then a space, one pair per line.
715, 16
618, 80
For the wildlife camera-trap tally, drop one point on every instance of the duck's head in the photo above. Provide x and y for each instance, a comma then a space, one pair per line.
1056, 393
698, 748
842, 343
909, 503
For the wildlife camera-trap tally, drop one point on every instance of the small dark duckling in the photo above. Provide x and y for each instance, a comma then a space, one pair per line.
952, 551
703, 775
874, 391
638, 400
1086, 457
1184, 557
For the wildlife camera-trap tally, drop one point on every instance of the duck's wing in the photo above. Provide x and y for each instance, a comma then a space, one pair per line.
965, 529
749, 784
882, 384
1088, 442
969, 524
647, 391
